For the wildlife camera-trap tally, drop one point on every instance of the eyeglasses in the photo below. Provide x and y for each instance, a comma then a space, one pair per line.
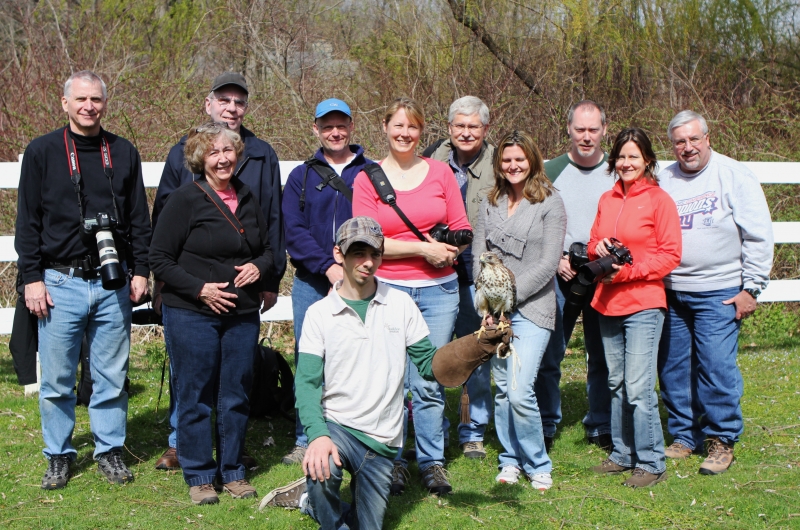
694, 141
225, 101
460, 127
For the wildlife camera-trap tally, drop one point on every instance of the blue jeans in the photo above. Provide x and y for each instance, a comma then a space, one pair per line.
371, 476
439, 307
307, 289
479, 384
598, 418
83, 306
631, 345
517, 418
213, 361
701, 384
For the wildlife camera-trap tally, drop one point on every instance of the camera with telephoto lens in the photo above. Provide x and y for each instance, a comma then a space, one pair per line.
101, 227
442, 233
596, 270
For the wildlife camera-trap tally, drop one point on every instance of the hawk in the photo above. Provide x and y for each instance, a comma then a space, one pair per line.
495, 288
495, 294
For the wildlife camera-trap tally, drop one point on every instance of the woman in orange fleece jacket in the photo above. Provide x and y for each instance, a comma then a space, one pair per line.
632, 303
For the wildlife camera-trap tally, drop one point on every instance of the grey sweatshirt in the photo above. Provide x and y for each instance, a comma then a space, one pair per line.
726, 225
529, 243
580, 189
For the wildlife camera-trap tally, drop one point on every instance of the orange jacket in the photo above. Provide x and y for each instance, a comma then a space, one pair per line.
645, 221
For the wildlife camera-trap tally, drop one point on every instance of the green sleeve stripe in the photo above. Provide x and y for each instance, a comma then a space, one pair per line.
421, 354
554, 167
308, 395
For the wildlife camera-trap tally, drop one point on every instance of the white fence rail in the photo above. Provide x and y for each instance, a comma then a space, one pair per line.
767, 173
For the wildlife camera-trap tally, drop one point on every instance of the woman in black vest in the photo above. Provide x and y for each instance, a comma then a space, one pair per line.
211, 251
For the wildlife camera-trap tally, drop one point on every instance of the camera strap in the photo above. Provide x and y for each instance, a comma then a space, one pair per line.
75, 170
221, 206
386, 192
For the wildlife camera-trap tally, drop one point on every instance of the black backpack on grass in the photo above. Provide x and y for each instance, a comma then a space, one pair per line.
273, 384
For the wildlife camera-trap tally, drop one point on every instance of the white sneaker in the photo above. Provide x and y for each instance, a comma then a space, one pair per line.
541, 481
508, 475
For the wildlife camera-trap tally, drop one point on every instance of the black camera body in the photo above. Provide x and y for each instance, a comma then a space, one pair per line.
110, 269
594, 271
578, 255
442, 233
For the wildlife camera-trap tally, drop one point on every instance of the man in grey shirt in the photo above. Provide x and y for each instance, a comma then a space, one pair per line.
726, 261
580, 177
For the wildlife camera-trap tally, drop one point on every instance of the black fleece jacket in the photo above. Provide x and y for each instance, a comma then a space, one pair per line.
47, 209
194, 244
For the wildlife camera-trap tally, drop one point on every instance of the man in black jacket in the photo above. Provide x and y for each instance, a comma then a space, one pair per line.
81, 196
259, 169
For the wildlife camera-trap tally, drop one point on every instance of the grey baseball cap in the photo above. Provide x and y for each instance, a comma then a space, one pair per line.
230, 78
359, 230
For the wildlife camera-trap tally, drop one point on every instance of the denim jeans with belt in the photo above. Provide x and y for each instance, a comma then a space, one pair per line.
213, 361
307, 289
370, 478
479, 384
631, 346
701, 384
83, 306
517, 419
598, 418
439, 307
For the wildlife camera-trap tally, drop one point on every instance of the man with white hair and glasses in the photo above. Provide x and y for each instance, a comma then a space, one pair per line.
470, 157
726, 261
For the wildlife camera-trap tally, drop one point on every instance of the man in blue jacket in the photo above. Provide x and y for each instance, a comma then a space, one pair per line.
227, 102
315, 204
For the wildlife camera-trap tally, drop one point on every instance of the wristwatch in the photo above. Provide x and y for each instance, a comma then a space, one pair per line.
753, 292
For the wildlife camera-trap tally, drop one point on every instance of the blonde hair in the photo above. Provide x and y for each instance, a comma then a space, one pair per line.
413, 110
200, 141
537, 186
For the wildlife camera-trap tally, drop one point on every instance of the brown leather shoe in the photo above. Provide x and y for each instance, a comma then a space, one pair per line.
169, 460
608, 467
248, 461
719, 459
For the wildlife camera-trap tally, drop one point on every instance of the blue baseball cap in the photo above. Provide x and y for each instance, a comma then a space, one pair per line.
332, 105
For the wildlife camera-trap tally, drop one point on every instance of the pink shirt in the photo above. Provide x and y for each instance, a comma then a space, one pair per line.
228, 196
436, 200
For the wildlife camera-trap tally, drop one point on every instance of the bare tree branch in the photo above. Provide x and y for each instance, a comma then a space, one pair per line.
459, 9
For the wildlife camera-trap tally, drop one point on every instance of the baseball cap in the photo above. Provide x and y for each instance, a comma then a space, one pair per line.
331, 105
230, 78
359, 230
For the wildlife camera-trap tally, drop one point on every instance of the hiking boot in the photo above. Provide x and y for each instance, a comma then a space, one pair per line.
112, 466
240, 489
57, 474
203, 494
399, 479
548, 443
603, 441
677, 450
295, 456
169, 460
541, 481
288, 496
474, 449
719, 459
435, 479
508, 475
608, 467
643, 479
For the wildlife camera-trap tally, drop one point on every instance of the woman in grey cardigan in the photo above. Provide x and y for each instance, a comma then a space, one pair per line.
522, 220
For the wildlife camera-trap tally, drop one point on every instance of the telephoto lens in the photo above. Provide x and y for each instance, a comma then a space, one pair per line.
442, 233
110, 269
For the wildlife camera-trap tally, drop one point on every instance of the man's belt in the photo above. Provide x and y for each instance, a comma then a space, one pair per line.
85, 267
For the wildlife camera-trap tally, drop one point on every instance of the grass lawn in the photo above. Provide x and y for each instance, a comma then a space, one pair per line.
762, 489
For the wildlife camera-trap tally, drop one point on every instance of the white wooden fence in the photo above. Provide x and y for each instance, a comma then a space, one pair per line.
767, 173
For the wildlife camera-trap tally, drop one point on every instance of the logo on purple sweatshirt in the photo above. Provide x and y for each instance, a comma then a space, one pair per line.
704, 204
